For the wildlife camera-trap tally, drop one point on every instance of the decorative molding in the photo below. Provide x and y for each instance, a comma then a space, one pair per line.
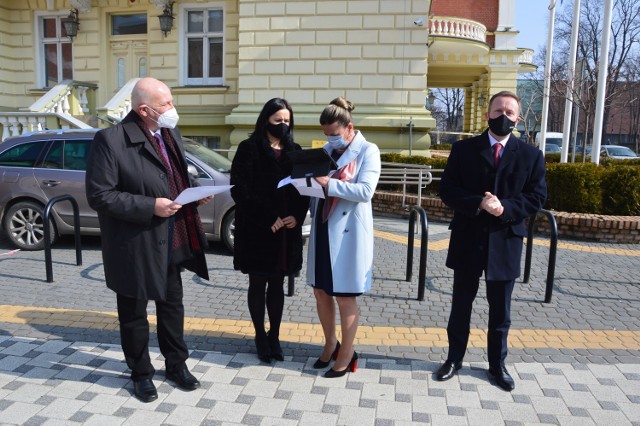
83, 6
160, 4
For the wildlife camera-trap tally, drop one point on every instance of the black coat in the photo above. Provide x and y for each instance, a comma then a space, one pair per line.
124, 178
480, 241
255, 174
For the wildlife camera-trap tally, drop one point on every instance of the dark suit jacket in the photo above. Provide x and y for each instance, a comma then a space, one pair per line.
480, 241
124, 178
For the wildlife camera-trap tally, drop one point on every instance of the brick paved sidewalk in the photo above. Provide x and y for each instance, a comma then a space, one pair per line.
575, 360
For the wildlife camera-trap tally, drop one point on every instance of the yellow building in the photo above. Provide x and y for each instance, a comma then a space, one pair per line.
223, 59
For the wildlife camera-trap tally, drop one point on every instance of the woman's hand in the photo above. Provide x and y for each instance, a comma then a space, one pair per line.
290, 222
323, 180
277, 225
205, 200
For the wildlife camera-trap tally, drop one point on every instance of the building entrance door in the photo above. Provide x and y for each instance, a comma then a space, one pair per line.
128, 59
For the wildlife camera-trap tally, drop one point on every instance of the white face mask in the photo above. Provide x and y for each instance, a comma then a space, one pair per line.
168, 119
337, 142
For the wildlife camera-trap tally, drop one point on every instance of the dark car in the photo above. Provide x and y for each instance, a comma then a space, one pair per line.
36, 167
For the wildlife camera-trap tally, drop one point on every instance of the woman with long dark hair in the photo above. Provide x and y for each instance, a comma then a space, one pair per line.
268, 221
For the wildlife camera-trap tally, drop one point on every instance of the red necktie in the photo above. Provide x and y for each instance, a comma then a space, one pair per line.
496, 154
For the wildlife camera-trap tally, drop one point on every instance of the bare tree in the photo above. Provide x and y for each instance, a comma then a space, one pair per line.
625, 38
452, 108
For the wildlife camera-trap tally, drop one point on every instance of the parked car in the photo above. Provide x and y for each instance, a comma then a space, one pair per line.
617, 152
36, 167
552, 149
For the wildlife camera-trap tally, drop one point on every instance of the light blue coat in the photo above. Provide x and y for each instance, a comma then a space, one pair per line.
351, 223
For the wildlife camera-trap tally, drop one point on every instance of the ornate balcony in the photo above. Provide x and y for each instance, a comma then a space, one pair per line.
447, 26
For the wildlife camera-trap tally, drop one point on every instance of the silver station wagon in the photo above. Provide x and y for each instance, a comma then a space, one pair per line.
37, 167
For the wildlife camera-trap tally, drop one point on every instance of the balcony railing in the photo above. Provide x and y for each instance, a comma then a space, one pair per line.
457, 27
526, 57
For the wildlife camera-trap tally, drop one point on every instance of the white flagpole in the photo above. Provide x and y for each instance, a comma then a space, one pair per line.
571, 75
547, 76
602, 81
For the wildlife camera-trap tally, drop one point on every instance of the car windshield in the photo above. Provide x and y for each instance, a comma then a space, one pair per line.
621, 151
207, 156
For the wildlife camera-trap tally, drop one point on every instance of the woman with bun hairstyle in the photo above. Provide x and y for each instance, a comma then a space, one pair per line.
340, 257
268, 220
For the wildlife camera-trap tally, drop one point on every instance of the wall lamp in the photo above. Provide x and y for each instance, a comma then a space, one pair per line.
481, 100
166, 19
71, 24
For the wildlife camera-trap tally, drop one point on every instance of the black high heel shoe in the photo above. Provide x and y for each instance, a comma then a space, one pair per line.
353, 365
262, 348
274, 346
324, 364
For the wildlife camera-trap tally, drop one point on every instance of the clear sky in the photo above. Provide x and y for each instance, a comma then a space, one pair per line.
532, 20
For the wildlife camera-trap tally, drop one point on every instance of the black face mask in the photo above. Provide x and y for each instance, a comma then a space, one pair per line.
278, 130
502, 125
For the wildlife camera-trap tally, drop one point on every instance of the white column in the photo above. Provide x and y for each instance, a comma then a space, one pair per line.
571, 76
602, 82
5, 127
547, 76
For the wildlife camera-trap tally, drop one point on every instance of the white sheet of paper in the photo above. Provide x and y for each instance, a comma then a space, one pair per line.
315, 190
190, 195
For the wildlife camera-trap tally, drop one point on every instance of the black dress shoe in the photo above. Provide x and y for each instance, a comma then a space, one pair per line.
502, 378
448, 370
145, 390
183, 378
352, 367
324, 364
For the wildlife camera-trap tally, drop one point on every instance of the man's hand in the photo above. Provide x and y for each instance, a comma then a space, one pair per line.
277, 225
491, 204
290, 222
203, 201
164, 207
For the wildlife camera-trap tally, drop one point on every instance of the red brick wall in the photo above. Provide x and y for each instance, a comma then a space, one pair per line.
483, 11
577, 226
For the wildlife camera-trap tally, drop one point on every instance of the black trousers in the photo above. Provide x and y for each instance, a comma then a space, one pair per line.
134, 329
465, 288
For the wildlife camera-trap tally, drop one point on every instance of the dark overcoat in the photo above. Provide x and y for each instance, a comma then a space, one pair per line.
480, 241
255, 174
124, 178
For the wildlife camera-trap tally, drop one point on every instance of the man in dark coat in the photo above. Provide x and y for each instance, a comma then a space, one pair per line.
135, 169
493, 182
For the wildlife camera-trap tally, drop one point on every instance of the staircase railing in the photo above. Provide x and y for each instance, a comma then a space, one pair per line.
119, 105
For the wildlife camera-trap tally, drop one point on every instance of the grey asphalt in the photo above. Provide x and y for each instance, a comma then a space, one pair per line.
59, 375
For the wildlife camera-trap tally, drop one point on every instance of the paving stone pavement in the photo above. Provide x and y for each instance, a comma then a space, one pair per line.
54, 373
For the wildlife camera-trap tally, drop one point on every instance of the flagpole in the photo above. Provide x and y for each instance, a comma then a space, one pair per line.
547, 76
602, 81
571, 74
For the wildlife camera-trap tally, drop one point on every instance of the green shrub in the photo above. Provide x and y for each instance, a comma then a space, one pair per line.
574, 187
441, 147
621, 190
611, 188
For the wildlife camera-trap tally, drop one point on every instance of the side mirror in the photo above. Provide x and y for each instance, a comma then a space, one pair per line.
191, 169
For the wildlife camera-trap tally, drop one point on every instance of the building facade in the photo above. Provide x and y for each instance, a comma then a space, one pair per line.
224, 59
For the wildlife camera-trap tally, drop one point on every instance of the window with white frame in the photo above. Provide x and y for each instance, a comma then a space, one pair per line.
55, 51
204, 46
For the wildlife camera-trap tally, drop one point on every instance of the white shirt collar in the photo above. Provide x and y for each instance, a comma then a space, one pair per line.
495, 141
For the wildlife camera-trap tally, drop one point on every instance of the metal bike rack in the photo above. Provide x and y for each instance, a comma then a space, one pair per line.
47, 233
551, 269
422, 274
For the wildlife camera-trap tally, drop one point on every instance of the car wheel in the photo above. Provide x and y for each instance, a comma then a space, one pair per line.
24, 224
228, 230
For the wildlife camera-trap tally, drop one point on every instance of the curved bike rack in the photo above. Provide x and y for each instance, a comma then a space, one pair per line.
422, 272
47, 233
551, 269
